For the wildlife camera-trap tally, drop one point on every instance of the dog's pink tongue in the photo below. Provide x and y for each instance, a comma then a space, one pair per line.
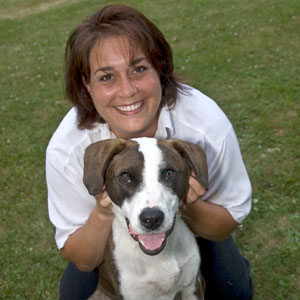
152, 241
149, 241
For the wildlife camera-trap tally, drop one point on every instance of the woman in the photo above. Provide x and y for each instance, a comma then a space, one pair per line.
119, 76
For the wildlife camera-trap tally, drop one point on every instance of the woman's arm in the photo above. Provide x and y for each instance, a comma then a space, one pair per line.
86, 246
209, 220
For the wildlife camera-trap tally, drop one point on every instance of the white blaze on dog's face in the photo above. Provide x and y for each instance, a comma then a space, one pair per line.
153, 192
151, 211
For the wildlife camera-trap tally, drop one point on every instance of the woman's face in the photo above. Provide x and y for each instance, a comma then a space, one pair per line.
125, 88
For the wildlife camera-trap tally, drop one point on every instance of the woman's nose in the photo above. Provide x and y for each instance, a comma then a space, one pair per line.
127, 87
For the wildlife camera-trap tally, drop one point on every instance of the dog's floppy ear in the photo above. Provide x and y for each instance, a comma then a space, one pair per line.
195, 157
97, 158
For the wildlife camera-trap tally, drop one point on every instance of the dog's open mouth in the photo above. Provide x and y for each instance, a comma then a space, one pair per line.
152, 243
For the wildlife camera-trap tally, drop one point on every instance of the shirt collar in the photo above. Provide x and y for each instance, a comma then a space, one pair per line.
165, 129
100, 132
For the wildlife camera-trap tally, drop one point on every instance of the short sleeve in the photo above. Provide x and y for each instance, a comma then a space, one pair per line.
69, 203
229, 184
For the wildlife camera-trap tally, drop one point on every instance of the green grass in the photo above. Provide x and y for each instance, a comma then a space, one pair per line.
244, 54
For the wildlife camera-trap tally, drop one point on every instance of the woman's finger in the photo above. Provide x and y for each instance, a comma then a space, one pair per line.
196, 190
103, 199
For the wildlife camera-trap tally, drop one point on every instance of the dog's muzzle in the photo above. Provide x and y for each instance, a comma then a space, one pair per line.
151, 243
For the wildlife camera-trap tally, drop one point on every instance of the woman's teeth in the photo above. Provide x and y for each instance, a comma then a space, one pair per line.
132, 107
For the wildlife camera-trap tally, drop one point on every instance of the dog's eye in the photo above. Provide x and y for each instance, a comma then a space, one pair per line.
169, 174
125, 177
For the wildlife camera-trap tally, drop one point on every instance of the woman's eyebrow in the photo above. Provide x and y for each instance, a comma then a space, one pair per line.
138, 60
103, 69
110, 68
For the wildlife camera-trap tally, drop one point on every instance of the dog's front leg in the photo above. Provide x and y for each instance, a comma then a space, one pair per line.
194, 291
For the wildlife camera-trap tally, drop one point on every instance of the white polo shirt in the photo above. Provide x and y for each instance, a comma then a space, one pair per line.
195, 118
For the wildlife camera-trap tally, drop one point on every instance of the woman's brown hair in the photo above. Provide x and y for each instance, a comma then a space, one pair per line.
115, 20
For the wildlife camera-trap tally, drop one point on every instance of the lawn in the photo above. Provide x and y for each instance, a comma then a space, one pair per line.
244, 54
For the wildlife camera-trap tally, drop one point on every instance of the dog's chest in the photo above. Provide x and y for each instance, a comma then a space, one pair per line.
155, 277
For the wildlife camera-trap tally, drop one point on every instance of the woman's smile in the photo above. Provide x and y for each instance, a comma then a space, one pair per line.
131, 108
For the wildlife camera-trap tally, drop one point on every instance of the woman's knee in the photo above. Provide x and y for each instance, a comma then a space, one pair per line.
225, 271
77, 285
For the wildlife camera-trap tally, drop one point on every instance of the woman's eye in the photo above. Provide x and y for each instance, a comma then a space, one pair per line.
125, 177
140, 69
106, 77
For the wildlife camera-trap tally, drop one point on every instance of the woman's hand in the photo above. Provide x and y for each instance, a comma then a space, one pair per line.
206, 219
196, 190
103, 203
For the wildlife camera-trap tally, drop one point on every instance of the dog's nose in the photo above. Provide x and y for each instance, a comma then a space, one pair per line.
152, 218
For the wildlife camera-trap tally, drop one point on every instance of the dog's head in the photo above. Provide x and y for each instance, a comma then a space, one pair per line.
146, 180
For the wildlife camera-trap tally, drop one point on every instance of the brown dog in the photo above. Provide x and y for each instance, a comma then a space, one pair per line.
151, 254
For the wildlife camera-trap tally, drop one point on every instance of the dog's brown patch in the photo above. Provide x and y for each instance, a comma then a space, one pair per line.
129, 161
108, 274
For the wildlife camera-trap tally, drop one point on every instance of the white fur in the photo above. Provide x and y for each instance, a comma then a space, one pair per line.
153, 193
176, 268
156, 277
